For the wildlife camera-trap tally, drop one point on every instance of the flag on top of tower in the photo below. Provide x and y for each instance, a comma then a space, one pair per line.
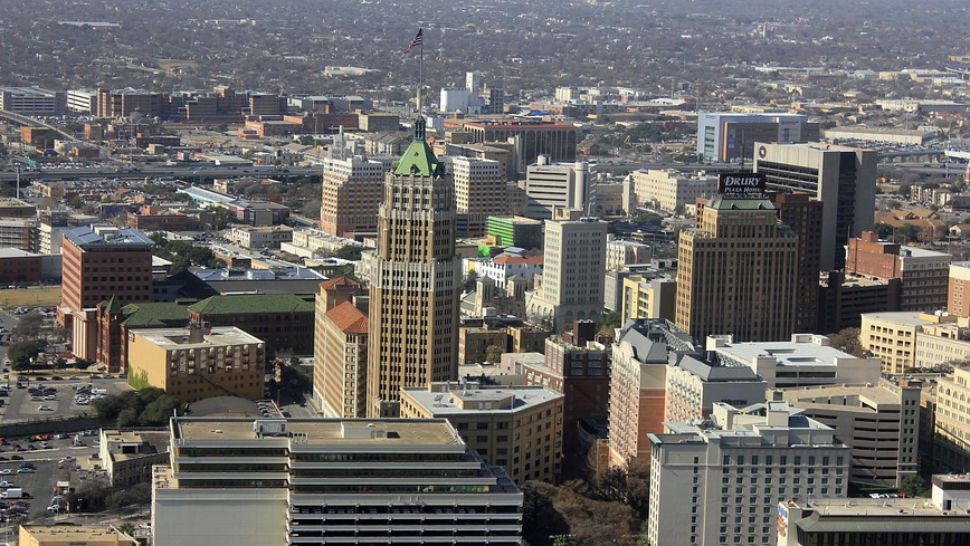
417, 41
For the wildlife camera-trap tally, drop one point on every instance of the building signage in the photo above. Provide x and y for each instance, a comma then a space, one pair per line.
741, 183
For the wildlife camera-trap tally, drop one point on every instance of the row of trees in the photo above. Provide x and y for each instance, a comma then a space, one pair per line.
146, 407
183, 254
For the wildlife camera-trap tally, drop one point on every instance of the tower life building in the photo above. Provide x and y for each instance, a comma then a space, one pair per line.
415, 280
738, 272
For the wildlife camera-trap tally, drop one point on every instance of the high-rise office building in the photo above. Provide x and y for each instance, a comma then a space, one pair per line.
738, 272
479, 193
841, 177
571, 286
554, 139
274, 482
351, 195
415, 280
719, 483
729, 136
803, 214
563, 185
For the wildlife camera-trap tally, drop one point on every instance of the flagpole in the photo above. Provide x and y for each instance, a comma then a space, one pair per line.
420, 74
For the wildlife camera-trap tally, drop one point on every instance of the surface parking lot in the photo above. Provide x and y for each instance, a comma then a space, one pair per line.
20, 405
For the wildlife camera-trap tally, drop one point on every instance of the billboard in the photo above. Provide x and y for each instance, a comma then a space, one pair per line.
741, 183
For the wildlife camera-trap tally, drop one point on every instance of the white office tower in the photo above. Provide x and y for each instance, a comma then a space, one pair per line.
473, 82
253, 482
719, 482
556, 185
454, 100
571, 286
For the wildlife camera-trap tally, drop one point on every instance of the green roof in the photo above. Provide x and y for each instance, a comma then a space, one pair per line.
252, 303
418, 158
154, 315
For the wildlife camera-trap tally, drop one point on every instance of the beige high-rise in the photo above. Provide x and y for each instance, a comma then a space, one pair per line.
415, 280
737, 272
479, 193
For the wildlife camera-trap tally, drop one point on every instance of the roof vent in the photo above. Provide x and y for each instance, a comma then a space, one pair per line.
269, 427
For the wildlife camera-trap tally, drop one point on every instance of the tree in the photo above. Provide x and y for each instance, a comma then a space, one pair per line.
127, 528
847, 340
21, 352
540, 519
349, 252
470, 281
160, 410
81, 363
906, 191
608, 322
884, 231
493, 353
914, 486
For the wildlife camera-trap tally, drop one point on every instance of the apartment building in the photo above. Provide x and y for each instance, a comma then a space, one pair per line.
693, 385
671, 190
195, 363
341, 360
719, 482
804, 361
351, 195
638, 377
479, 193
878, 421
246, 482
517, 428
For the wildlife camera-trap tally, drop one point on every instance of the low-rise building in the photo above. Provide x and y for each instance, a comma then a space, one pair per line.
805, 360
879, 422
620, 253
671, 190
129, 455
517, 428
944, 518
951, 427
719, 482
260, 237
195, 363
896, 339
73, 535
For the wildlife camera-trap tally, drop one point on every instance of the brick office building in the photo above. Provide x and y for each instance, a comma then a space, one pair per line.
924, 273
98, 265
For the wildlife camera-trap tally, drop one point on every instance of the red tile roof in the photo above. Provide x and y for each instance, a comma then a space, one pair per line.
531, 260
348, 318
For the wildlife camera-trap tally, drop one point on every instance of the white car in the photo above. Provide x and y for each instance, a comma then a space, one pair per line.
6, 471
45, 407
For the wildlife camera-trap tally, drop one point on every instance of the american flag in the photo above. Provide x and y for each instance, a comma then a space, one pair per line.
417, 41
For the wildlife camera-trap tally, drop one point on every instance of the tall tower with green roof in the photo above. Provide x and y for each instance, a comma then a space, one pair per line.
415, 280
